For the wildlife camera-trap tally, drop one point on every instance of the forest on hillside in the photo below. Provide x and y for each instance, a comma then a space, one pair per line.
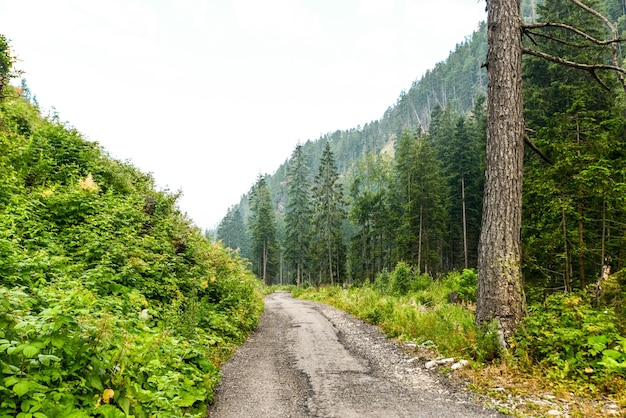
393, 227
409, 186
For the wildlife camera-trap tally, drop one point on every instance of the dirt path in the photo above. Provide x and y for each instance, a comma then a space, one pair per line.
311, 360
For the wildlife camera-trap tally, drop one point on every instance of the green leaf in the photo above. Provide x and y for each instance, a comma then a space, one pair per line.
614, 354
45, 359
186, 399
30, 351
110, 411
26, 405
95, 382
58, 342
124, 403
10, 381
21, 388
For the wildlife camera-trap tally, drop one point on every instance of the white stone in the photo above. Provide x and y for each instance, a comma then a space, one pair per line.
430, 364
459, 364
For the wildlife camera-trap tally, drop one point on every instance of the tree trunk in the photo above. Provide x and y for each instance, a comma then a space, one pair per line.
419, 245
581, 242
602, 248
500, 292
265, 252
567, 281
464, 223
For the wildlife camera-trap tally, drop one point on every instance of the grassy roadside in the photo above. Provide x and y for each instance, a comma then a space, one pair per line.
566, 360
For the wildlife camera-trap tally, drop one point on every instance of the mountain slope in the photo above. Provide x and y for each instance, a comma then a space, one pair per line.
455, 82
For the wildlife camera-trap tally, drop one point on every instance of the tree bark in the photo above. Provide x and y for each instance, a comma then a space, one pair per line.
567, 281
500, 291
464, 222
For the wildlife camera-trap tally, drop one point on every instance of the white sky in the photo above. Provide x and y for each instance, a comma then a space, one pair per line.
207, 94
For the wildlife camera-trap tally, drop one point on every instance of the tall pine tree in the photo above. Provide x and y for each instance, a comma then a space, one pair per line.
263, 231
298, 216
329, 214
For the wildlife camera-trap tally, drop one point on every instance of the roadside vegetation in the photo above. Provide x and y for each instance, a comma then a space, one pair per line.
111, 303
570, 350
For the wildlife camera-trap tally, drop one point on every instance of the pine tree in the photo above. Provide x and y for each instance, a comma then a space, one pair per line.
298, 216
232, 231
370, 250
329, 214
263, 231
423, 192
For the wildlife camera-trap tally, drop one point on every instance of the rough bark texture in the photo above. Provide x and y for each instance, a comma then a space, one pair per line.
500, 292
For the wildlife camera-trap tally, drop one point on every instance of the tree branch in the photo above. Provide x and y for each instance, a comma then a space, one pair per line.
614, 32
530, 33
533, 147
573, 64
530, 26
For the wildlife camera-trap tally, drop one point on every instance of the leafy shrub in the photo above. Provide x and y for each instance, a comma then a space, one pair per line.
107, 307
382, 281
421, 282
467, 285
401, 278
570, 338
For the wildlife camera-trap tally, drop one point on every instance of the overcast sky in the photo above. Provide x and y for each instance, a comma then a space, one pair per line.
207, 94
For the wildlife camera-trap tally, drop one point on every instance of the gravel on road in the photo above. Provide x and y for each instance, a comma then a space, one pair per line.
307, 359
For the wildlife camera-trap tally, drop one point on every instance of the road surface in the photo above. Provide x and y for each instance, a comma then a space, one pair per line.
310, 360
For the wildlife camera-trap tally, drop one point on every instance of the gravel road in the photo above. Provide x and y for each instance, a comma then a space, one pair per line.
306, 359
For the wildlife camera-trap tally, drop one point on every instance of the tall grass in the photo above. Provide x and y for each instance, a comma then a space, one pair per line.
423, 315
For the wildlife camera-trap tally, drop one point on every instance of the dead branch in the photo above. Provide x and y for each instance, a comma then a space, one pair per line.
533, 147
614, 32
530, 26
573, 64
528, 30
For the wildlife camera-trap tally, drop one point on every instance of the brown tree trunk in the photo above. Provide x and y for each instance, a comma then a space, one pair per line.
464, 223
419, 245
566, 280
265, 253
500, 292
581, 242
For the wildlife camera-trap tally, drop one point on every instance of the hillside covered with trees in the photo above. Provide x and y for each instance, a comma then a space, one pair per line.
411, 182
401, 199
111, 303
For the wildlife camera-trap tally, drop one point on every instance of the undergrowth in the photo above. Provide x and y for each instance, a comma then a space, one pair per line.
112, 303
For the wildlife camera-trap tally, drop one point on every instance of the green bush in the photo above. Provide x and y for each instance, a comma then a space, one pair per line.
382, 281
467, 285
401, 278
111, 303
569, 338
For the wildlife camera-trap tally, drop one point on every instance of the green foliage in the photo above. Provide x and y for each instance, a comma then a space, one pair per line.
382, 281
232, 232
111, 303
263, 231
573, 207
570, 339
401, 278
328, 249
298, 217
7, 62
464, 284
